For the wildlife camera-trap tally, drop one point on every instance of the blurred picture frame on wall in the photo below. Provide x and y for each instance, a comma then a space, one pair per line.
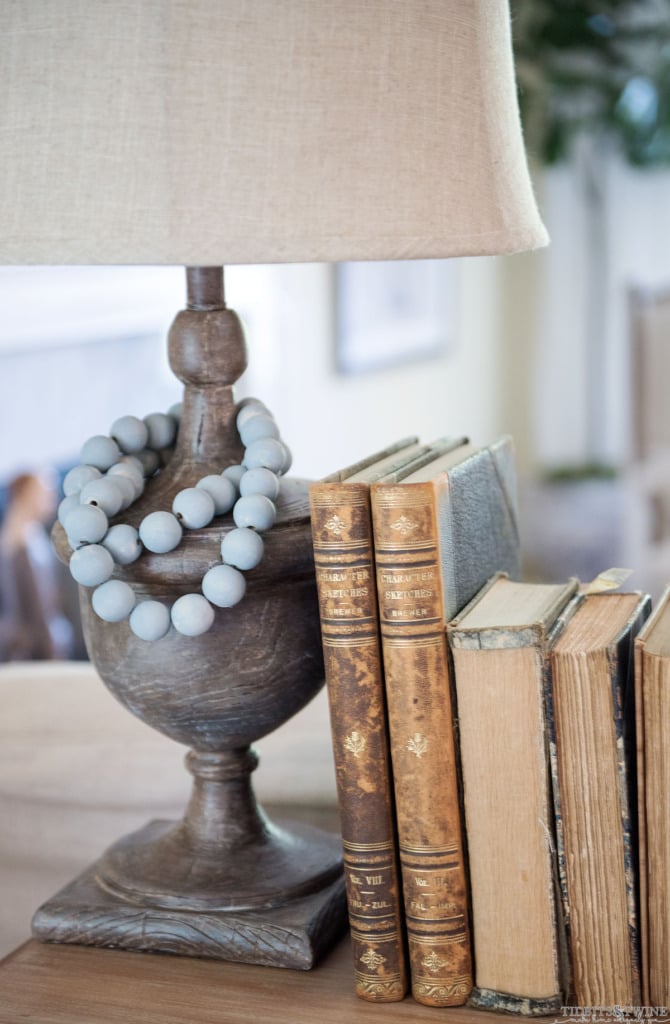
391, 313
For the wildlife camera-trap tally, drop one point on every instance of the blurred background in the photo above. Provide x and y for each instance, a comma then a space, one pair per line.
563, 348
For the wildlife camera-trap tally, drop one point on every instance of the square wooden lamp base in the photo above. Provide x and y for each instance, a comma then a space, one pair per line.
294, 935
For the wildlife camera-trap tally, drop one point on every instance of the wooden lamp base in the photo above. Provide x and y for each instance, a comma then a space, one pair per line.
295, 935
223, 882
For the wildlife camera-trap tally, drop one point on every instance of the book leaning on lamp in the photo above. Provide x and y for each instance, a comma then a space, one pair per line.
345, 575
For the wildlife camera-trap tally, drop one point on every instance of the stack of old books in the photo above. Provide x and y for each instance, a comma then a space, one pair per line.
484, 733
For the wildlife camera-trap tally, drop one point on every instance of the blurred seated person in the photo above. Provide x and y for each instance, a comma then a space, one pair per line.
32, 620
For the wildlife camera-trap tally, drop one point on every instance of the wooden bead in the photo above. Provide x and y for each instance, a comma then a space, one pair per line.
224, 586
133, 460
123, 543
288, 459
66, 505
260, 481
127, 487
256, 511
234, 474
100, 451
242, 548
258, 427
193, 507
130, 473
249, 407
192, 615
222, 491
105, 493
85, 524
130, 433
160, 532
91, 565
113, 601
150, 620
162, 429
78, 477
268, 453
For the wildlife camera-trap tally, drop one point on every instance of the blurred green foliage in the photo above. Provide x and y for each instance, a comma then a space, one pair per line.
597, 66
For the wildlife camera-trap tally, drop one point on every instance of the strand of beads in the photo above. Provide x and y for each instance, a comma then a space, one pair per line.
111, 478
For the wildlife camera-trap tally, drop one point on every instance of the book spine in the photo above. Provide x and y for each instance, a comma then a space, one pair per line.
344, 563
423, 750
622, 660
643, 881
563, 922
655, 714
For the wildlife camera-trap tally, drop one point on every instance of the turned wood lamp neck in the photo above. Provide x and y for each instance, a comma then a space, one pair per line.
204, 288
207, 352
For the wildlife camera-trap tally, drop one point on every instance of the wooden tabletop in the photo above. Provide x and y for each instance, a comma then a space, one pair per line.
59, 984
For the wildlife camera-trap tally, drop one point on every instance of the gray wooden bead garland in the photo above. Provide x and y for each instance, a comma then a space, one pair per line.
111, 477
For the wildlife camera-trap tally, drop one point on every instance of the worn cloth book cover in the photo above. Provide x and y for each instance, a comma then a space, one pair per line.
439, 533
652, 709
499, 646
591, 718
345, 575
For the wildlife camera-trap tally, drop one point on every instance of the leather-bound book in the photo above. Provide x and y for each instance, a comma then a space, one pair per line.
652, 707
439, 534
591, 713
500, 645
345, 575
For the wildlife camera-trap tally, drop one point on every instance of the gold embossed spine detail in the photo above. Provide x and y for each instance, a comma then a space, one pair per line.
422, 742
344, 563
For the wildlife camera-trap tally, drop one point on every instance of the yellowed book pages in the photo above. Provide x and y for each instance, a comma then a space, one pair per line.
499, 646
591, 690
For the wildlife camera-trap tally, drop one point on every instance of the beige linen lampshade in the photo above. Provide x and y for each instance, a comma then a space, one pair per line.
206, 132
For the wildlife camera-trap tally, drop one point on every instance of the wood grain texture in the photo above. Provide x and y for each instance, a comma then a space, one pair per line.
294, 936
46, 984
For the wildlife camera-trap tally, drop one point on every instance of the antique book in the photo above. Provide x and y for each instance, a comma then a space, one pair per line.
500, 644
345, 576
439, 534
591, 713
652, 708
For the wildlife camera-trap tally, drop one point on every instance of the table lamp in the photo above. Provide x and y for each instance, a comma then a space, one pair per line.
205, 133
